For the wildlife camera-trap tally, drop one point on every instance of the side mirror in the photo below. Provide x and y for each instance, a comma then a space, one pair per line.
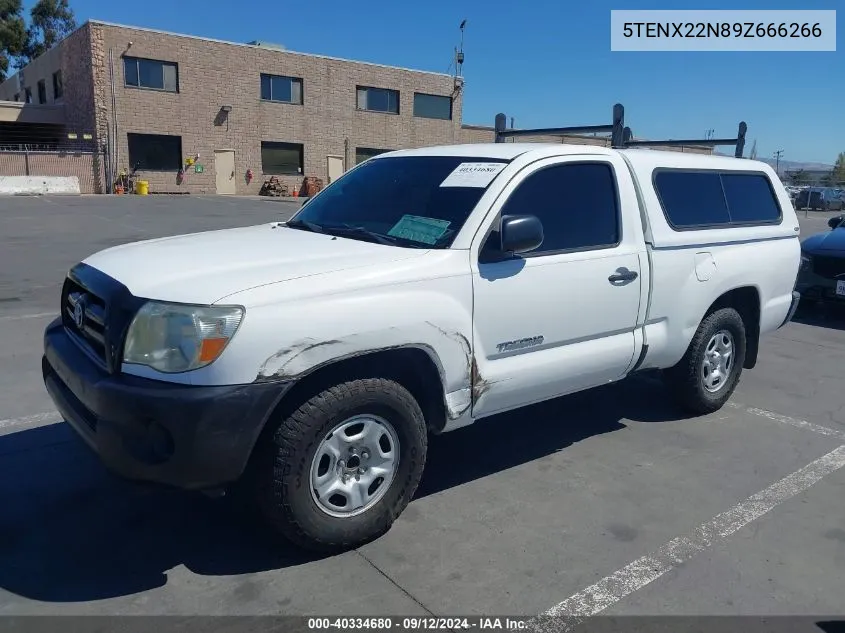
835, 221
521, 233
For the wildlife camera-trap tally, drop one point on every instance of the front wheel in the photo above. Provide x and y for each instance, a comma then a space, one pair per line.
339, 470
705, 378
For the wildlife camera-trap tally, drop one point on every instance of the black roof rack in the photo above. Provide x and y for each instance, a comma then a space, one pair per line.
620, 136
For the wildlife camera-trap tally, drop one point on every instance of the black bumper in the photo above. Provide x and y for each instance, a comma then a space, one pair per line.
184, 436
793, 307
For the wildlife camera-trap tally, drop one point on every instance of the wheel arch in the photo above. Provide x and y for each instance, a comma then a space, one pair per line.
746, 301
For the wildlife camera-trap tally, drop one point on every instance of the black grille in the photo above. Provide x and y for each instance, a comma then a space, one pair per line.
84, 316
829, 267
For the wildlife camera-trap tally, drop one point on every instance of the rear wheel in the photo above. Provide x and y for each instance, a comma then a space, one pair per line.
339, 470
705, 378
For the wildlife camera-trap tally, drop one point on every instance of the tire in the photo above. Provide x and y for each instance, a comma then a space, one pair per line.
282, 476
687, 380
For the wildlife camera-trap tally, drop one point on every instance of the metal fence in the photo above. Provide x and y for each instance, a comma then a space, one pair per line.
88, 165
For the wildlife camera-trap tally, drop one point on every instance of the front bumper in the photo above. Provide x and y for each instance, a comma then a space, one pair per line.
191, 437
817, 288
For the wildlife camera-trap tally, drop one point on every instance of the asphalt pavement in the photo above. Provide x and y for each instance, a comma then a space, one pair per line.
609, 501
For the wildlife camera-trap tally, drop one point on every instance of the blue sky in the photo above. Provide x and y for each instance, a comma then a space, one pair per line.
549, 63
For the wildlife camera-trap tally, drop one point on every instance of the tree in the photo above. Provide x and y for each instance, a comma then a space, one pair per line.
13, 34
51, 21
838, 175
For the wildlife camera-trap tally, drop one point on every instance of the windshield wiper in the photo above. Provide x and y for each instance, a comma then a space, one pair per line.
304, 224
347, 230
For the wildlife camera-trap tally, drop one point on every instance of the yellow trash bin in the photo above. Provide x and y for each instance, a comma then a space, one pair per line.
142, 188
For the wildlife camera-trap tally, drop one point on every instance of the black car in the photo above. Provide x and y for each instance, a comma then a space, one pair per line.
822, 273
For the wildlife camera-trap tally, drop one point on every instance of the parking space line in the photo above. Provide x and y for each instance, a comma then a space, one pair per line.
36, 315
785, 419
645, 570
13, 425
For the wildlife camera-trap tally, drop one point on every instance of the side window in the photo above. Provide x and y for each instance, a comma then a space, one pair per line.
692, 198
750, 198
576, 203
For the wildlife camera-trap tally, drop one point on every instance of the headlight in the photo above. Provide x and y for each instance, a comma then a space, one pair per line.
806, 262
174, 338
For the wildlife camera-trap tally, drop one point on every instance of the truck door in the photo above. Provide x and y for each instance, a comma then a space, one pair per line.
562, 317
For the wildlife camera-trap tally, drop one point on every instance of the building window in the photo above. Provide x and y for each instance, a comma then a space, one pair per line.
279, 159
27, 95
377, 100
58, 86
363, 153
155, 152
42, 91
432, 106
151, 73
280, 88
702, 199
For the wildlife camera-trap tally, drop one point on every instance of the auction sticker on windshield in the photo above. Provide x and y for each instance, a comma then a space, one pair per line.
473, 175
419, 229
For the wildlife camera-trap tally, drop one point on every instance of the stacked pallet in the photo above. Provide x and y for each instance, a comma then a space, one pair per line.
310, 186
274, 187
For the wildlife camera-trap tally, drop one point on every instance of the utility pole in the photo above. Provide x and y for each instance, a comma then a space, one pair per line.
777, 156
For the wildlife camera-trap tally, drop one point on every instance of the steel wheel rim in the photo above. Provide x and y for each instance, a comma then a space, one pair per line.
355, 462
718, 362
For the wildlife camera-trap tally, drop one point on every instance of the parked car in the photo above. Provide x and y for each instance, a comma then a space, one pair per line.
822, 274
823, 199
422, 291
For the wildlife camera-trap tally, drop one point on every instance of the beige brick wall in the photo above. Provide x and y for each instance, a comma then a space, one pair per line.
213, 74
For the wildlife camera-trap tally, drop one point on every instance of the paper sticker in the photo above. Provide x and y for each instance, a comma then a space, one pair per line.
473, 175
419, 229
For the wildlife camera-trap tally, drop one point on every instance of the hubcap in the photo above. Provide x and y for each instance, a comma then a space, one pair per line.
718, 361
354, 465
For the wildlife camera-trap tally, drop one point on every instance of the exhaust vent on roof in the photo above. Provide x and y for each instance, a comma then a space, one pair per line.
276, 47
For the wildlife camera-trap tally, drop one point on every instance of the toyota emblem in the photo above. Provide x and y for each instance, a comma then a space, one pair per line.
79, 312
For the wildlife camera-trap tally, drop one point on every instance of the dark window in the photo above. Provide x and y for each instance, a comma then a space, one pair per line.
284, 89
377, 99
432, 106
750, 198
576, 203
364, 153
400, 198
42, 91
151, 73
155, 152
58, 86
27, 95
281, 158
700, 199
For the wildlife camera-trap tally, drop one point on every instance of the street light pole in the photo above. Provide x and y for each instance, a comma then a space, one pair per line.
777, 156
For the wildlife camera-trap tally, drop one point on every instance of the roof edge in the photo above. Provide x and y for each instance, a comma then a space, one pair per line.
244, 45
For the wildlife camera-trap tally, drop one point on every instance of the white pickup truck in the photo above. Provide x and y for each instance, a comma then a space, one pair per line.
308, 361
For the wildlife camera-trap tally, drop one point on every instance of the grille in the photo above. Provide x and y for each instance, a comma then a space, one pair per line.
828, 267
84, 316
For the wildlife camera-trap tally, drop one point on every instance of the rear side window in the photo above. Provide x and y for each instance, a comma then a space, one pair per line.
700, 199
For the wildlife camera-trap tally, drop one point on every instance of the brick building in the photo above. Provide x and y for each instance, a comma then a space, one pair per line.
156, 99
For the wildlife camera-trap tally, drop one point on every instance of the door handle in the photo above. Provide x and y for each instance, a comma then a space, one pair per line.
622, 274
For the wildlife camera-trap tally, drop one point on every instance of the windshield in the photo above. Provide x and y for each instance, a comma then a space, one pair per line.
410, 201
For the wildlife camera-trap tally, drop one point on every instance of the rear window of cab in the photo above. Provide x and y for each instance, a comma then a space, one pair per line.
698, 199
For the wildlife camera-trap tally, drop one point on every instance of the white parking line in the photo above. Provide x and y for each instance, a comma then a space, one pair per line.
785, 419
13, 425
20, 317
636, 575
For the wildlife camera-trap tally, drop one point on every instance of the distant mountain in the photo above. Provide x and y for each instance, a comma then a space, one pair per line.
793, 165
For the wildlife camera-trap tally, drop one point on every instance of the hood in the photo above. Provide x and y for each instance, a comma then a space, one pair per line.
830, 241
206, 267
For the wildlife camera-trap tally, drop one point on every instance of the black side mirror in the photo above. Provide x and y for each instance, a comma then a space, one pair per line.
835, 221
521, 233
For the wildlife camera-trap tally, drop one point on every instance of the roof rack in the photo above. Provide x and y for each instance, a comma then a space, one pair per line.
620, 136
